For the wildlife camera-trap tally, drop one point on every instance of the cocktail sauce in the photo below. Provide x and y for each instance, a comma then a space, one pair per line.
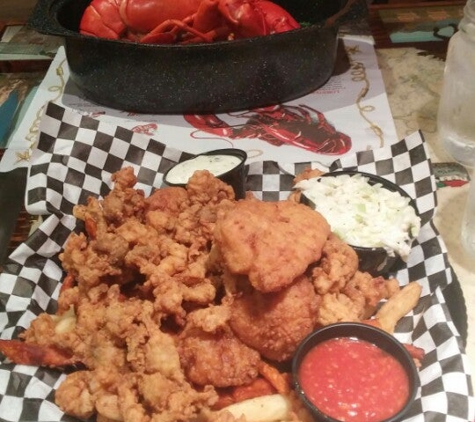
353, 380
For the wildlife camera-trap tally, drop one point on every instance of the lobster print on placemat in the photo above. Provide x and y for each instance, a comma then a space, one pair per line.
300, 126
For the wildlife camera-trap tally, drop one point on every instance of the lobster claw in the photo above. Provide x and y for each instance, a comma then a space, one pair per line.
210, 123
277, 18
247, 19
250, 18
102, 18
207, 16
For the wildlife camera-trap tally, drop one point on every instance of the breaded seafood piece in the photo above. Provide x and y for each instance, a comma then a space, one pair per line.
123, 201
271, 242
218, 359
203, 188
338, 265
357, 300
275, 323
307, 174
211, 354
170, 199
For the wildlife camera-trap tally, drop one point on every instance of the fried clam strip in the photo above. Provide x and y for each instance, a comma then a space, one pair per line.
346, 293
140, 262
156, 246
145, 379
133, 367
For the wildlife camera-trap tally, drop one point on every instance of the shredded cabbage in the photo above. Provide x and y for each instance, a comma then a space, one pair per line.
362, 214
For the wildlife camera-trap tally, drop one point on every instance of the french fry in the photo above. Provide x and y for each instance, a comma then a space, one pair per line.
275, 378
398, 305
259, 387
270, 408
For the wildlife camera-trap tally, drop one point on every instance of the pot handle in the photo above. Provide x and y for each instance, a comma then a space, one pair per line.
353, 9
44, 18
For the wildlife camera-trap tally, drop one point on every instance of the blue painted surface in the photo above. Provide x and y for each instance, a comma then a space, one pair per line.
7, 114
425, 32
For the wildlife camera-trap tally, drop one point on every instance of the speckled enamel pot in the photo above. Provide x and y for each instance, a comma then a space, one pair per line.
216, 77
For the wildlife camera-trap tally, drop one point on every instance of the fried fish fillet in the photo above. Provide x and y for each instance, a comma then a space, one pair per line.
271, 242
275, 323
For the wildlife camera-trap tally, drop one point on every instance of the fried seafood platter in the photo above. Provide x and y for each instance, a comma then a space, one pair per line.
189, 305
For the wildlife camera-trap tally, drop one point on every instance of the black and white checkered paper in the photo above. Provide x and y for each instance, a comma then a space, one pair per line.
75, 158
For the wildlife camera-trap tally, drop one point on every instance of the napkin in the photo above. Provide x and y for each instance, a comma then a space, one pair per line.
75, 157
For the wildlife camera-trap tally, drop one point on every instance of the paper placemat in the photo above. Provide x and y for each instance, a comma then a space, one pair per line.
75, 157
349, 113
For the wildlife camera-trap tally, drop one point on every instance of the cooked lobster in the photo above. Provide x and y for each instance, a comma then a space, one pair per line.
184, 21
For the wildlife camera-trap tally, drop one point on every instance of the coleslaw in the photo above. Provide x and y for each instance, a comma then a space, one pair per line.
363, 214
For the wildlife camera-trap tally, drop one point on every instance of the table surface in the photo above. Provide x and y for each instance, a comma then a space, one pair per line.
413, 74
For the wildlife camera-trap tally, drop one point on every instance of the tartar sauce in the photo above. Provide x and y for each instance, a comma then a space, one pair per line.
215, 164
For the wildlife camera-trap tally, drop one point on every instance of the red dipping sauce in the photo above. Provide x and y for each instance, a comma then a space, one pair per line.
354, 380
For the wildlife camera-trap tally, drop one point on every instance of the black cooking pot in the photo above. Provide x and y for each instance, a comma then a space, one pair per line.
200, 78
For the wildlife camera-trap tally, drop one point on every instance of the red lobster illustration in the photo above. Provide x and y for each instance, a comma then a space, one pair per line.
301, 126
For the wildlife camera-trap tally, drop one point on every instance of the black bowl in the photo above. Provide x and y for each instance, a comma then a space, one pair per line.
201, 78
235, 177
375, 261
359, 331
